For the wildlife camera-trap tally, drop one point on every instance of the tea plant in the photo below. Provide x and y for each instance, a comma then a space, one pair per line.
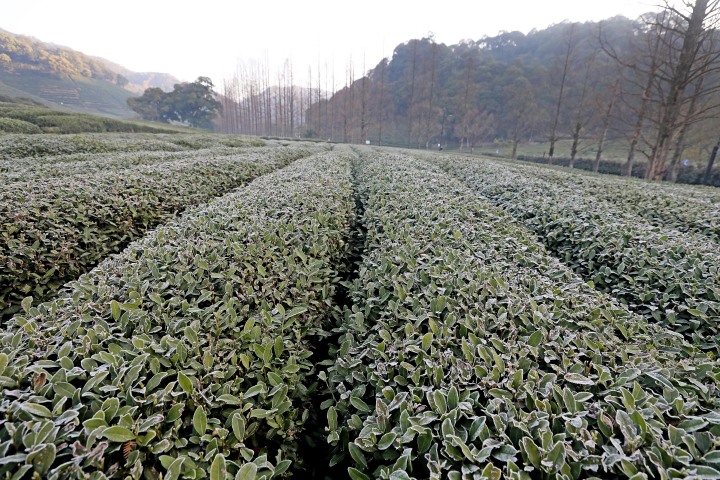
469, 352
658, 272
53, 230
189, 354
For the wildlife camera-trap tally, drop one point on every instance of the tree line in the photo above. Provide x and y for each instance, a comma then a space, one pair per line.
651, 82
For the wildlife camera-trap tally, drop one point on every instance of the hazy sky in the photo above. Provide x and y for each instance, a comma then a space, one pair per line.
208, 38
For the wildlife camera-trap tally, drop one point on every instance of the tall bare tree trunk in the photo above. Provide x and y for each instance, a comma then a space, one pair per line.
363, 106
558, 104
672, 111
577, 128
381, 113
411, 105
680, 144
642, 112
433, 69
707, 178
606, 126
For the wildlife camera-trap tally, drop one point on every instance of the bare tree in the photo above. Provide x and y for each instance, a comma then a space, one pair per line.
411, 105
606, 124
363, 104
464, 107
521, 110
570, 42
688, 38
642, 111
582, 114
672, 171
477, 124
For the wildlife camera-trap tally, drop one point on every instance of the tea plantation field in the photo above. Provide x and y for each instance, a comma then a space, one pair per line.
206, 306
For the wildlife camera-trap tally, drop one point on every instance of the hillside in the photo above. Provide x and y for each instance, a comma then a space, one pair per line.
138, 82
67, 79
28, 116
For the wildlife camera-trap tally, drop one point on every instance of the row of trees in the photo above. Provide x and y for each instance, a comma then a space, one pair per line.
672, 83
257, 102
652, 82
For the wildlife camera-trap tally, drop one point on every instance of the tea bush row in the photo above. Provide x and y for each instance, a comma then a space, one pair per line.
53, 230
658, 272
189, 354
470, 352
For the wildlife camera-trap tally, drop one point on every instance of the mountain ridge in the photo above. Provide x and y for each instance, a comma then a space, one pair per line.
67, 79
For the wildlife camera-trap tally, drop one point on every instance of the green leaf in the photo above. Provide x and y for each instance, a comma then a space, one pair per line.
64, 389
156, 298
424, 441
505, 453
281, 467
530, 451
499, 392
279, 346
26, 304
360, 405
626, 424
440, 402
218, 469
254, 390
118, 434
332, 418
535, 338
175, 412
238, 426
555, 458
693, 424
357, 454
463, 447
294, 312
427, 341
185, 383
578, 379
115, 310
267, 355
713, 457
228, 399
174, 470
247, 472
274, 379
386, 440
9, 459
200, 420
453, 398
42, 458
399, 475
191, 335
447, 428
258, 413
356, 474
705, 473
36, 410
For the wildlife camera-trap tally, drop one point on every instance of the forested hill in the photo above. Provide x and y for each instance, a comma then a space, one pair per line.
579, 85
500, 87
19, 53
62, 76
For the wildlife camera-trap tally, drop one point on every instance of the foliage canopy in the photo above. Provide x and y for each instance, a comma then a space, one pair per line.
191, 103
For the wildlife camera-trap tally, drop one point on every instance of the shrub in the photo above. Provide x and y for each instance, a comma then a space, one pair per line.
11, 125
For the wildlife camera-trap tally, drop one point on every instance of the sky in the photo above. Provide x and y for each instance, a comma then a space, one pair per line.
211, 38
